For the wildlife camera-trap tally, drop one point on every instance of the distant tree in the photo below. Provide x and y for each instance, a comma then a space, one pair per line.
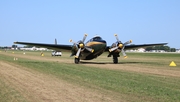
5, 47
28, 46
161, 47
157, 48
14, 46
166, 48
149, 48
173, 50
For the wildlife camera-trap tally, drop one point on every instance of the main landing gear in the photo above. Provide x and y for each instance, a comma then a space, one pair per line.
115, 59
76, 60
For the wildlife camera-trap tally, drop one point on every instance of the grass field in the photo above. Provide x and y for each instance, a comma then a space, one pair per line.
140, 77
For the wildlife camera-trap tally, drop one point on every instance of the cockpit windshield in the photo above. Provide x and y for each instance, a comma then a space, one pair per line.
96, 38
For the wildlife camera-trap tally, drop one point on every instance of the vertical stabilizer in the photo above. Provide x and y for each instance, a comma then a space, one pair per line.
55, 42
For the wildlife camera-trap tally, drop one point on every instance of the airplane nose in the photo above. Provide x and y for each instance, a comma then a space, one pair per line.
103, 41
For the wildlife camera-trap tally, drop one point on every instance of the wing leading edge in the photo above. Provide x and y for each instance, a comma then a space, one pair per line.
143, 45
138, 46
56, 47
59, 47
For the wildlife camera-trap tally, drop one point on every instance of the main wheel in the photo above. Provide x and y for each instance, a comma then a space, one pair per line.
115, 60
76, 60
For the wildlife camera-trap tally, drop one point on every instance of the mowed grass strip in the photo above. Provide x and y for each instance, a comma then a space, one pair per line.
153, 60
156, 56
9, 94
134, 86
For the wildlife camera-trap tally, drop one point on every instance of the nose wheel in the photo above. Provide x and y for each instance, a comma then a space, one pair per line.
76, 60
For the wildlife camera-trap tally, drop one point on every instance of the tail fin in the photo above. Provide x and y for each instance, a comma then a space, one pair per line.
55, 42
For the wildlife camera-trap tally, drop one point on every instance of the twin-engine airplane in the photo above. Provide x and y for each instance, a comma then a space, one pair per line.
92, 48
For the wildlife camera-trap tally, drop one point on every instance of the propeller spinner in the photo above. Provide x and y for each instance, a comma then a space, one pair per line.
120, 45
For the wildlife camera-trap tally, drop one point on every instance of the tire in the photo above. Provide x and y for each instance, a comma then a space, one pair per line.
115, 60
76, 60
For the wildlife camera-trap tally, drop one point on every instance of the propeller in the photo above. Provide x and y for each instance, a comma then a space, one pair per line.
81, 46
120, 45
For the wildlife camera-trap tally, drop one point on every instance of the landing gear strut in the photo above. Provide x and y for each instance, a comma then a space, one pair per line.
76, 60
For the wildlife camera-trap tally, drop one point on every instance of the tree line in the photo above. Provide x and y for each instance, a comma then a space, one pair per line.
161, 47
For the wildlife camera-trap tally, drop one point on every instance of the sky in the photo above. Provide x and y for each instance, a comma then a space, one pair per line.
41, 21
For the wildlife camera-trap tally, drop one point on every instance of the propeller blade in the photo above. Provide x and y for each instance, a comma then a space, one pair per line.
124, 54
78, 52
112, 49
84, 38
128, 42
117, 37
72, 41
89, 49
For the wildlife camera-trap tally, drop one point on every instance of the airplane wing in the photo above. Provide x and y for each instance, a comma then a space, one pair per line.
56, 47
142, 45
138, 46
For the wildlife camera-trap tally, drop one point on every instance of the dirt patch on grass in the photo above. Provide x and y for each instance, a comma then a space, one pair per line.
36, 86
